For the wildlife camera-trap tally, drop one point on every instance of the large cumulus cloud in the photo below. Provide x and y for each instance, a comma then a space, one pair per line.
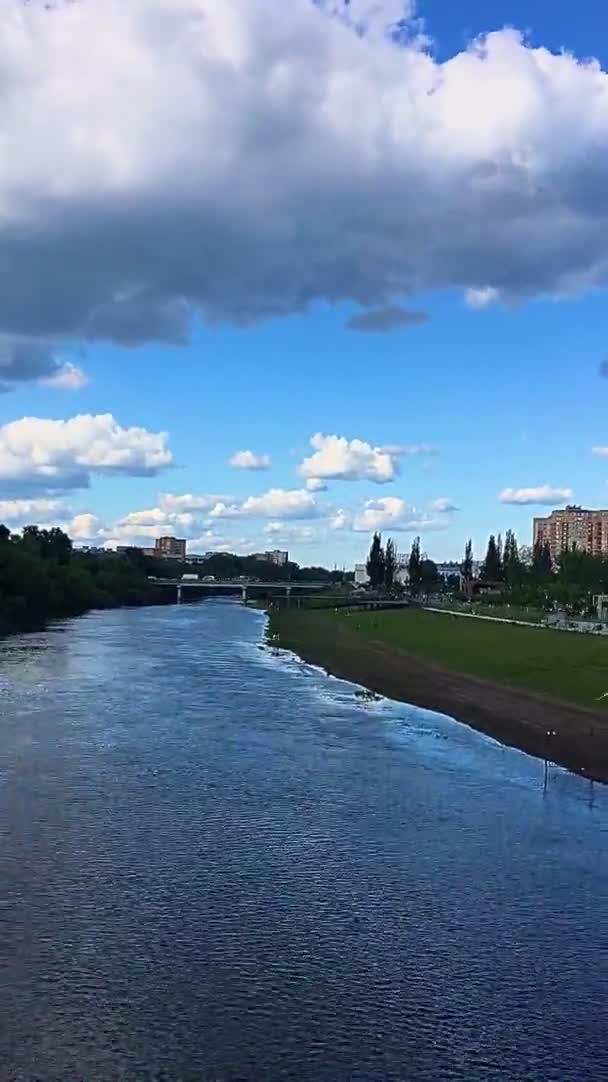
242, 159
51, 455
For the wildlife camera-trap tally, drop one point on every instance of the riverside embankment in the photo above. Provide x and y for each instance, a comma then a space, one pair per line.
364, 648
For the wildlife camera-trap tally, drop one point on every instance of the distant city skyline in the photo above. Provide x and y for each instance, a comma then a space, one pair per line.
282, 318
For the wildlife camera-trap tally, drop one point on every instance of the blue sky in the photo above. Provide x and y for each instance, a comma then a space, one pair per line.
206, 325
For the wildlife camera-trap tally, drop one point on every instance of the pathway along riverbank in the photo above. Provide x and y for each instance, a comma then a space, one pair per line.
578, 736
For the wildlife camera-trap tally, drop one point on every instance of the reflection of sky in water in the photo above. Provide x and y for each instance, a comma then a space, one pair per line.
442, 741
214, 856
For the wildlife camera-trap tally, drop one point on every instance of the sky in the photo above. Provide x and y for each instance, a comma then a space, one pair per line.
279, 275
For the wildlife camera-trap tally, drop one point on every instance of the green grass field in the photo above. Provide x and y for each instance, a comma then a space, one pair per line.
503, 612
565, 665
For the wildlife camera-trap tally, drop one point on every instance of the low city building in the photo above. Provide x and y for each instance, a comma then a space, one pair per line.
361, 575
277, 557
402, 575
451, 569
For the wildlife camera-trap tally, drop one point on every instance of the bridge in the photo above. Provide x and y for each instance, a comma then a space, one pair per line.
245, 589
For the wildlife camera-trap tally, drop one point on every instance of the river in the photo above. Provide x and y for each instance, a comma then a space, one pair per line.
219, 864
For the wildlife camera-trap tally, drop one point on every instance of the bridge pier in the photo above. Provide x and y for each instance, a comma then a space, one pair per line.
244, 594
179, 593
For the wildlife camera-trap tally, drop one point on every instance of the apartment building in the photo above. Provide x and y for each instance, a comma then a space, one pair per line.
361, 575
573, 527
172, 547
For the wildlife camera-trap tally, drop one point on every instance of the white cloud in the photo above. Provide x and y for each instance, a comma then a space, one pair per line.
210, 541
170, 502
68, 377
150, 146
481, 298
600, 452
337, 458
28, 511
63, 454
411, 450
542, 494
155, 518
277, 503
147, 525
443, 504
284, 532
86, 527
315, 484
247, 460
83, 528
340, 520
392, 513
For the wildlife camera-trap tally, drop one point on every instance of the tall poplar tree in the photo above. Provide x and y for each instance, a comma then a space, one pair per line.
375, 562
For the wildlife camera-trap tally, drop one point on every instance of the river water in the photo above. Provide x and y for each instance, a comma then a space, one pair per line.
220, 864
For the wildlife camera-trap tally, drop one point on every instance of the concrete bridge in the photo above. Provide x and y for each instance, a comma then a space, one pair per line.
245, 589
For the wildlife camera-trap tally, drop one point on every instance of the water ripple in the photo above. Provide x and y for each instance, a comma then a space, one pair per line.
219, 864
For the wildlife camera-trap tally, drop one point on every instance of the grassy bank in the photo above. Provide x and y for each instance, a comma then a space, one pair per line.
526, 615
530, 688
567, 666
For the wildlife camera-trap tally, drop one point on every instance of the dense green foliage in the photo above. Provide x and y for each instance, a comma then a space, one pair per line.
467, 563
224, 565
568, 666
390, 564
376, 563
492, 565
570, 584
415, 566
42, 578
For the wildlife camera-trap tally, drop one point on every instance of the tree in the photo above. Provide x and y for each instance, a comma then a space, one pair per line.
467, 564
429, 575
390, 563
510, 559
375, 562
5, 534
56, 545
492, 569
542, 563
414, 563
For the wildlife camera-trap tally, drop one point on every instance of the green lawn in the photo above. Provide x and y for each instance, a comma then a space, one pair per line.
568, 666
503, 612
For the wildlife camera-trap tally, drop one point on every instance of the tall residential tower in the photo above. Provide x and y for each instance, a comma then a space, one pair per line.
574, 527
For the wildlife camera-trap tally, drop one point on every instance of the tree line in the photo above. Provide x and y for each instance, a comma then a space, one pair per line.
517, 577
42, 578
534, 578
383, 567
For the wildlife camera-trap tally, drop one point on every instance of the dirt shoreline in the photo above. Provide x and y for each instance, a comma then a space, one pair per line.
513, 716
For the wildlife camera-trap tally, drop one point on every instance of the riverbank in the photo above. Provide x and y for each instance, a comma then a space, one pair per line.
512, 715
42, 579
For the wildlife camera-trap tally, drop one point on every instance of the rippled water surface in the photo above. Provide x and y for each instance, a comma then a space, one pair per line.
219, 864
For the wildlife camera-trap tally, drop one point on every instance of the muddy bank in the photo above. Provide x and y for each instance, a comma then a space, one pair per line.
521, 719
